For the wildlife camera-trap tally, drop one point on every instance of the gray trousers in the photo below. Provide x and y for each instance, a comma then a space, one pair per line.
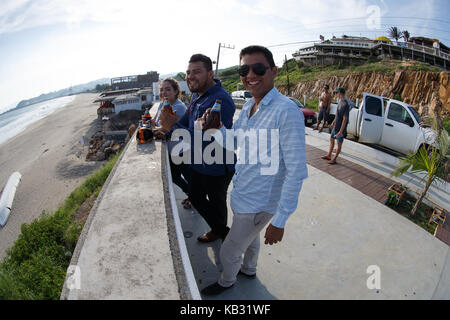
243, 238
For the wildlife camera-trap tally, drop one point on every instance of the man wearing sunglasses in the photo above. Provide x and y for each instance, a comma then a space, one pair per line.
256, 198
209, 182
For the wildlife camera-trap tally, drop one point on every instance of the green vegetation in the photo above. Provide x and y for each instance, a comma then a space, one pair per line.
298, 72
446, 124
428, 160
404, 207
230, 79
312, 104
35, 266
312, 73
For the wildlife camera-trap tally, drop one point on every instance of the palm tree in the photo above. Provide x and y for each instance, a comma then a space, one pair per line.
406, 35
429, 160
394, 33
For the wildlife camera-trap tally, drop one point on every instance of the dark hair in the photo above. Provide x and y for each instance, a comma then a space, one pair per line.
174, 84
340, 90
260, 49
201, 57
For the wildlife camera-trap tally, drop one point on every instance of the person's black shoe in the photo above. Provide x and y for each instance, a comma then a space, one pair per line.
208, 237
214, 289
252, 276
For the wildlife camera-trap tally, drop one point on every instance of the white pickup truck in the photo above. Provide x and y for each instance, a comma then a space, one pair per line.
389, 123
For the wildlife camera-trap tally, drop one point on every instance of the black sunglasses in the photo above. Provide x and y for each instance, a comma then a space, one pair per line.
258, 68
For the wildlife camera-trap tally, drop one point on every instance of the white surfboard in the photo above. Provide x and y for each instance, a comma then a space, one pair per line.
7, 197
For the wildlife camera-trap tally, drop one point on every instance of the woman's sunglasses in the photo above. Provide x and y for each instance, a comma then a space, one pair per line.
258, 68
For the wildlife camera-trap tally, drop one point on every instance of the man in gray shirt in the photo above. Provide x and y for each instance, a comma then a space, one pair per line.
339, 126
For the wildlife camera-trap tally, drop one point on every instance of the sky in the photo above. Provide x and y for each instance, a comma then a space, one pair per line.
47, 45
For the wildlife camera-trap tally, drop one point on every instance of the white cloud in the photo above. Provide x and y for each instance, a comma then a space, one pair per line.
135, 36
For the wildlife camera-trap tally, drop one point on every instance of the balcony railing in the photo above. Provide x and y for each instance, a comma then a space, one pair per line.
406, 45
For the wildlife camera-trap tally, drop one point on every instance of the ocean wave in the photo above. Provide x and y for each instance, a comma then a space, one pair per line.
14, 122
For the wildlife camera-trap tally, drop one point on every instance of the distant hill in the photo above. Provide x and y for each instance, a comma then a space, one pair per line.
86, 87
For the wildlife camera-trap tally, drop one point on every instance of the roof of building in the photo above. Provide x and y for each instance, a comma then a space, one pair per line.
383, 38
126, 97
118, 92
345, 37
427, 42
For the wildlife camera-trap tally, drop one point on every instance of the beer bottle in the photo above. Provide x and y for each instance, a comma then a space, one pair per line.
141, 135
213, 119
167, 106
147, 115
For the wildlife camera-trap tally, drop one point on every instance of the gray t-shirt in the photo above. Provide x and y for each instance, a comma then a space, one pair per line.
343, 109
178, 106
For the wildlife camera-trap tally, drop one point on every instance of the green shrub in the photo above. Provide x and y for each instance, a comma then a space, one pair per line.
392, 199
12, 289
71, 236
35, 266
446, 124
397, 97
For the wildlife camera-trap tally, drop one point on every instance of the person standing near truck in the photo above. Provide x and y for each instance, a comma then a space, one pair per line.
324, 107
339, 126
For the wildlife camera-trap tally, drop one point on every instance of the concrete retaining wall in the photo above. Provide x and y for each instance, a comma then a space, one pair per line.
129, 248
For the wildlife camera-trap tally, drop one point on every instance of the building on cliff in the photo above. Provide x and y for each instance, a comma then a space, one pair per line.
135, 81
359, 50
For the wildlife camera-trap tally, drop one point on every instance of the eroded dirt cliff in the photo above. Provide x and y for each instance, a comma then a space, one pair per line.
426, 91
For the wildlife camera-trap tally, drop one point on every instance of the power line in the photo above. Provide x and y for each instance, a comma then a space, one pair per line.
291, 43
366, 17
344, 31
383, 24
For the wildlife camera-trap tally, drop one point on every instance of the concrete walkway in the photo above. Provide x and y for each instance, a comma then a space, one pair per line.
336, 233
327, 248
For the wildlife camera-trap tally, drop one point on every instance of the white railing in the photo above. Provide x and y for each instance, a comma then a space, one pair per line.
406, 45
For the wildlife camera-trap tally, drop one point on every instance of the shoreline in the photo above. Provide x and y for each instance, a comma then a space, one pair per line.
51, 159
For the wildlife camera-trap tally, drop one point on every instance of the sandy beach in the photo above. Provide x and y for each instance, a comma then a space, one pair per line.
51, 159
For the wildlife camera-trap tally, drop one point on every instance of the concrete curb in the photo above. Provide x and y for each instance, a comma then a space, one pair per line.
87, 224
181, 244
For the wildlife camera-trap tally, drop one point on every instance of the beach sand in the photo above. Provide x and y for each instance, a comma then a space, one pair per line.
49, 156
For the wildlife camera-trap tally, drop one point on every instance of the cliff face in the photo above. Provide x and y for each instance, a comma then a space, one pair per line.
426, 91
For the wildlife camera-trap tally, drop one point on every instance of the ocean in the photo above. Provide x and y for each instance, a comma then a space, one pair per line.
16, 120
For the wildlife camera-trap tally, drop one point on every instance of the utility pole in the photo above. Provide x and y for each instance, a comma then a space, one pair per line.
221, 45
287, 73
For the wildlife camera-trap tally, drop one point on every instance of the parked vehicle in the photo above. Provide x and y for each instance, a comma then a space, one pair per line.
241, 94
310, 115
389, 123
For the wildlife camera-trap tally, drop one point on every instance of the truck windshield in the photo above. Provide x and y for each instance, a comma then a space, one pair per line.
247, 94
415, 114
